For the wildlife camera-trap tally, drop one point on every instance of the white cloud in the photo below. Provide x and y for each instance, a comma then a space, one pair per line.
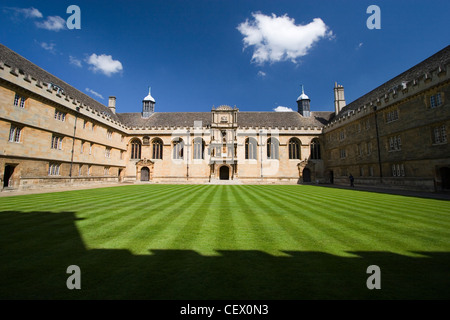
98, 95
26, 12
53, 23
279, 38
104, 63
48, 46
282, 109
360, 45
261, 74
75, 61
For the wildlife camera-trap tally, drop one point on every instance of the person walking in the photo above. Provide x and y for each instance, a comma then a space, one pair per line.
352, 180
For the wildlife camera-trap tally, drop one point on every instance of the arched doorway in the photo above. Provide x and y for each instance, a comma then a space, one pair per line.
306, 175
445, 177
145, 174
9, 170
224, 173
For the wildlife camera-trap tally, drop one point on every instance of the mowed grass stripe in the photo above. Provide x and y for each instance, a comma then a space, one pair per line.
180, 233
115, 222
363, 232
314, 224
164, 219
225, 236
125, 203
392, 205
195, 233
341, 228
129, 217
265, 228
398, 227
288, 221
372, 210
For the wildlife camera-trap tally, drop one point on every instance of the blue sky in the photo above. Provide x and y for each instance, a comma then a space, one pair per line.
200, 53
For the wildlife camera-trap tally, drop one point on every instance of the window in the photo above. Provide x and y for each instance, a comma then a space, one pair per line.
19, 101
315, 150
250, 149
89, 170
391, 115
341, 135
135, 149
93, 127
80, 169
84, 124
108, 152
272, 148
367, 124
90, 148
361, 171
106, 171
343, 153
57, 142
82, 147
439, 134
59, 115
435, 101
398, 170
14, 133
157, 149
109, 134
121, 138
178, 148
369, 148
371, 171
395, 143
121, 155
294, 148
359, 150
199, 148
53, 169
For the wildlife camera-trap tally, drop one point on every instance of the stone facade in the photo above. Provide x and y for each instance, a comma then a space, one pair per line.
54, 135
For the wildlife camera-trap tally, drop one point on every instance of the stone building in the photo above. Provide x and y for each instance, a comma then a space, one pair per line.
395, 135
52, 134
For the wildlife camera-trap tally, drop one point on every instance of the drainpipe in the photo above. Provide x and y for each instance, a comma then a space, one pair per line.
378, 144
261, 152
187, 153
73, 141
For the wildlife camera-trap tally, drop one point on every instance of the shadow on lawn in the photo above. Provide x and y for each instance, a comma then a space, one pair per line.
37, 248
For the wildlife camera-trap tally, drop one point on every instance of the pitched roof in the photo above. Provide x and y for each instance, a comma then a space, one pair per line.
439, 59
244, 119
12, 59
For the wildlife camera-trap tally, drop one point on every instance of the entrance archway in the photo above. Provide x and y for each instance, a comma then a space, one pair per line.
224, 173
145, 174
9, 170
445, 177
306, 175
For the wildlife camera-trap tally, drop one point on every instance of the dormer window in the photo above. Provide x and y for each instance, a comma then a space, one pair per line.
19, 101
60, 115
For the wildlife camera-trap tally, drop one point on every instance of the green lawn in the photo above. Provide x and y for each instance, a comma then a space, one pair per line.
224, 242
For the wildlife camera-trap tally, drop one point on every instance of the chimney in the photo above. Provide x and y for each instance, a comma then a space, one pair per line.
339, 99
112, 104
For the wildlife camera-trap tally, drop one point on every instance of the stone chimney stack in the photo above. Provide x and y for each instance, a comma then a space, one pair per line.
112, 104
339, 99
